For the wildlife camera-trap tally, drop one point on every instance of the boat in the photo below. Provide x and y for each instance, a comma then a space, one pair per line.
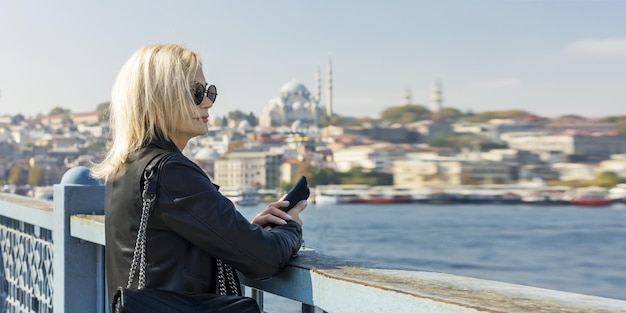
591, 200
338, 194
378, 195
335, 197
489, 197
591, 196
547, 196
247, 201
618, 193
241, 196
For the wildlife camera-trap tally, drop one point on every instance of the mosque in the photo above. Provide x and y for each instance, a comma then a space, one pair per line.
295, 105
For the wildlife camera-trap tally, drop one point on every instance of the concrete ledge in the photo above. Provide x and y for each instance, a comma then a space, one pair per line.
28, 210
88, 227
337, 285
340, 286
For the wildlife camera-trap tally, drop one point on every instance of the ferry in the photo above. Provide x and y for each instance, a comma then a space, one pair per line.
591, 196
247, 201
618, 193
241, 196
338, 194
383, 195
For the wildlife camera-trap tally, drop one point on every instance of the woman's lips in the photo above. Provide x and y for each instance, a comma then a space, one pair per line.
204, 118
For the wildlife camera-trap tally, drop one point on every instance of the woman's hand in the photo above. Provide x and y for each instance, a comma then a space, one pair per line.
273, 214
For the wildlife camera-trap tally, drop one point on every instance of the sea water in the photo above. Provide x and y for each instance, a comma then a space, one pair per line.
567, 248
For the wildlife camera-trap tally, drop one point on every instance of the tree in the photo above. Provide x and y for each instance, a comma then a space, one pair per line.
59, 110
361, 176
607, 179
18, 119
450, 113
325, 176
16, 176
488, 115
104, 110
36, 176
104, 106
458, 142
305, 169
405, 114
237, 115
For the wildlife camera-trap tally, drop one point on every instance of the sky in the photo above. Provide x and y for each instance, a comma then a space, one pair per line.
548, 57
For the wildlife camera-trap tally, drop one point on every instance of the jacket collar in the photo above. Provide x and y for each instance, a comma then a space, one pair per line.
163, 143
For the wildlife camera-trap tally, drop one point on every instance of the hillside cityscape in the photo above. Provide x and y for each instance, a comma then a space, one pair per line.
411, 152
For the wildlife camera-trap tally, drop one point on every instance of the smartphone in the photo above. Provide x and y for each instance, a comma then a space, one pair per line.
299, 192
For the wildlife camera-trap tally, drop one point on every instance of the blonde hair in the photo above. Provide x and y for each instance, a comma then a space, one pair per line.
150, 96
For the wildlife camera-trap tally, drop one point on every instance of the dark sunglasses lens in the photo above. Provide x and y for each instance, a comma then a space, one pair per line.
211, 93
198, 93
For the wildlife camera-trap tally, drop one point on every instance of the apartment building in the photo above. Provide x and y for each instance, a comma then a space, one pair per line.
373, 157
568, 143
616, 164
248, 169
450, 171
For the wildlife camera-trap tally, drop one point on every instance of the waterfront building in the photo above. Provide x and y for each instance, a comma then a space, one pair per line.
429, 171
568, 143
431, 129
6, 120
496, 127
86, 118
579, 124
576, 171
617, 165
289, 169
376, 157
244, 168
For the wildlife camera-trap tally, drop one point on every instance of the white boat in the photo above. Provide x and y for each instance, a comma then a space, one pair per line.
247, 201
241, 196
336, 194
618, 193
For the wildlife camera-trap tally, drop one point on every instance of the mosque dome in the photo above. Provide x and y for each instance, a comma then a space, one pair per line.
293, 87
244, 125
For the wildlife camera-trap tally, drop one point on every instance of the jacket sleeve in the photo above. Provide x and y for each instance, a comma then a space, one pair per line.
198, 212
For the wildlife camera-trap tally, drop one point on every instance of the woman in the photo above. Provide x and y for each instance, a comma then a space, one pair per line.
159, 102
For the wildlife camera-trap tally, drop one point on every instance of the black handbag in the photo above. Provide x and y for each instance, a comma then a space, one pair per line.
144, 300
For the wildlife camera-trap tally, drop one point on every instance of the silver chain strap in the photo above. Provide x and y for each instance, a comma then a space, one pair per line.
140, 244
220, 277
139, 255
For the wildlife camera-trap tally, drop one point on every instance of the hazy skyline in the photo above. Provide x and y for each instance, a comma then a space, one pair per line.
548, 57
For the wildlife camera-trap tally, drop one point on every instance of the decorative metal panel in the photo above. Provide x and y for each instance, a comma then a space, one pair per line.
26, 271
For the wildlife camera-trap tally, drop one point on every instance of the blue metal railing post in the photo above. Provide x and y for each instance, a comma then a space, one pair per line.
77, 275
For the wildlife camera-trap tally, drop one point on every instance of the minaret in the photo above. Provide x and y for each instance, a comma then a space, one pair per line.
436, 99
406, 96
329, 91
318, 85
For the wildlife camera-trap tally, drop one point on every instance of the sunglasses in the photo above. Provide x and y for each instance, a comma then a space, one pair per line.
199, 90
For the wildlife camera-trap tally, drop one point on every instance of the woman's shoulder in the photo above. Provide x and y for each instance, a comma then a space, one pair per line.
181, 176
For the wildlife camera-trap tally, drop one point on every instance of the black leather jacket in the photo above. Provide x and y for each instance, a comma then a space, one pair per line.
191, 225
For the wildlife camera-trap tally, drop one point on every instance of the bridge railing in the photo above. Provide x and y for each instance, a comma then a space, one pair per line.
52, 256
